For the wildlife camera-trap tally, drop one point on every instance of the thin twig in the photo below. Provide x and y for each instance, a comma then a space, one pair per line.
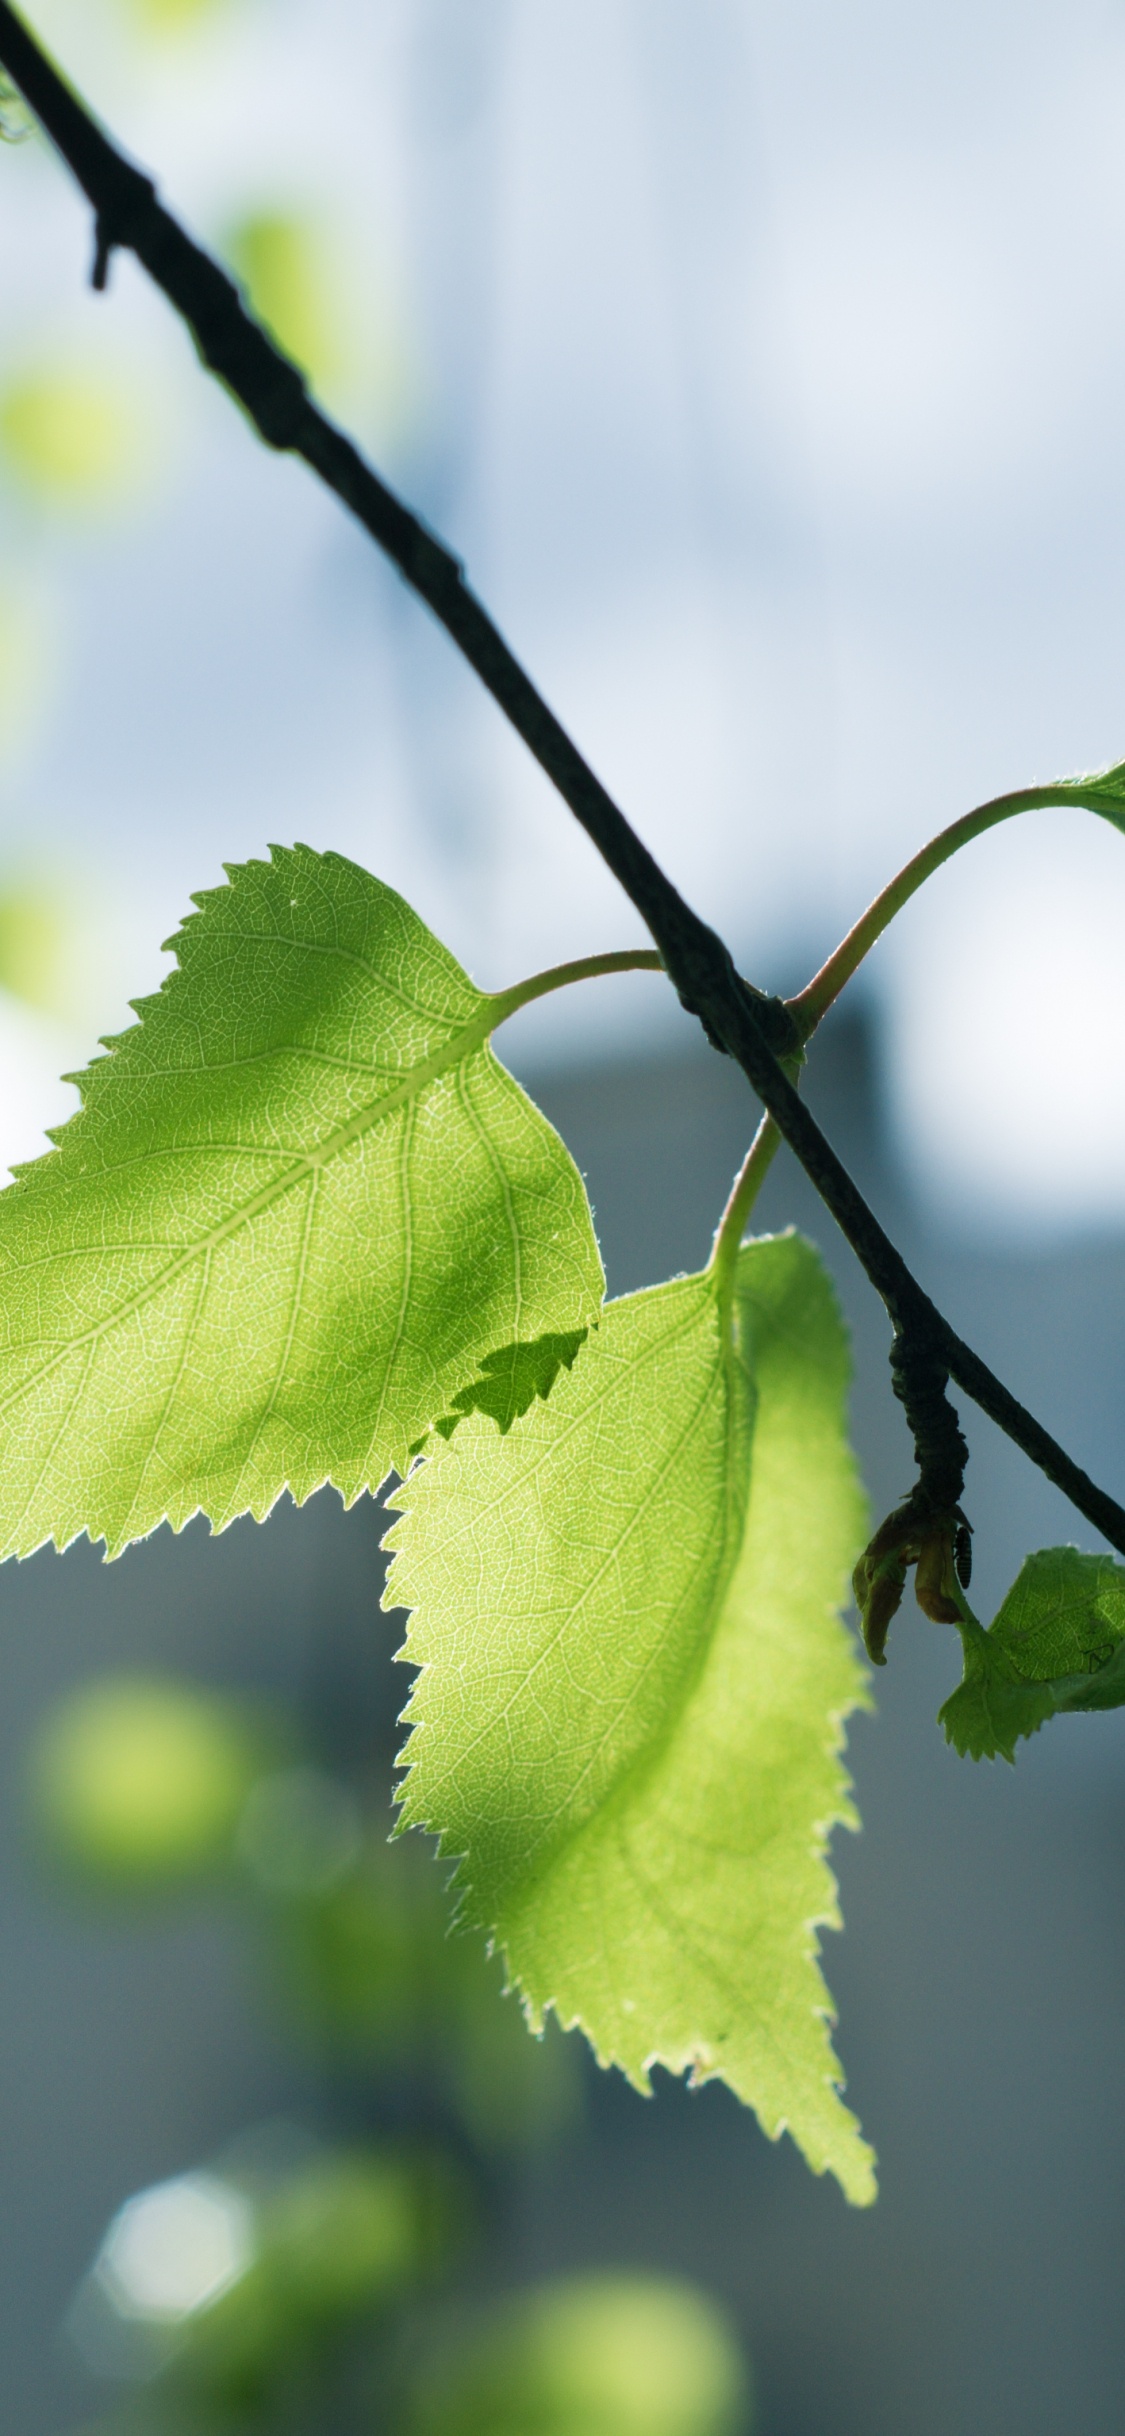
753, 1029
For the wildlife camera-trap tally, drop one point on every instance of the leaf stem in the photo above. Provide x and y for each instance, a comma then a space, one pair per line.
559, 977
818, 995
743, 1194
811, 1005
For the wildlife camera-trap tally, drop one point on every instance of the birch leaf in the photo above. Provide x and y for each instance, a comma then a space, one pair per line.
634, 1676
1057, 1643
301, 1207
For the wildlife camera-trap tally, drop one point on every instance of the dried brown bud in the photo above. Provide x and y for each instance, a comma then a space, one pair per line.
935, 1581
878, 1596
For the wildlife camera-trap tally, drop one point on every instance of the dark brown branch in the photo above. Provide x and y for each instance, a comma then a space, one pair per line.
751, 1028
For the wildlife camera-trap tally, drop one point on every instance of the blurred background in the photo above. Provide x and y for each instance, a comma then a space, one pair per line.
764, 364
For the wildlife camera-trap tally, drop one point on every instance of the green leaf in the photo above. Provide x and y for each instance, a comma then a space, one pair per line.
301, 1205
634, 1679
1057, 1643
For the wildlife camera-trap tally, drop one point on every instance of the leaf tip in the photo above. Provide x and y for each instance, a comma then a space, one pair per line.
859, 2180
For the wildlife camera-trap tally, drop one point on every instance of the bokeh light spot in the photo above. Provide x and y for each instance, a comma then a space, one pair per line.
175, 2248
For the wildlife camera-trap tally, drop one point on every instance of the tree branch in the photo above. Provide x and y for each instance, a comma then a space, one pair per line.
753, 1029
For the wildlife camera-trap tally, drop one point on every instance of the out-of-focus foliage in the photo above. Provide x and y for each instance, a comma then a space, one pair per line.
346, 2238
225, 2290
72, 435
34, 939
60, 932
14, 121
287, 271
290, 2285
607, 2355
171, 16
300, 1832
374, 1973
325, 299
144, 1787
139, 1784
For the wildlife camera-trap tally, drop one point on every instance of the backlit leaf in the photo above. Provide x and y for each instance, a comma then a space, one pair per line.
300, 1207
1058, 1643
634, 1678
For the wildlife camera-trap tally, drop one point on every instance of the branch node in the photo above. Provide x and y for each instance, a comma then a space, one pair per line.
779, 1028
928, 1530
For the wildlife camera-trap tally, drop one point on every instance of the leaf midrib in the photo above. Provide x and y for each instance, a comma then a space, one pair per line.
548, 1651
649, 1751
615, 1817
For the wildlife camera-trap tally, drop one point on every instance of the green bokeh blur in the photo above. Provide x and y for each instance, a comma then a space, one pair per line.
173, 16
286, 269
337, 2243
73, 435
33, 943
608, 2355
374, 1973
324, 2316
137, 1784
